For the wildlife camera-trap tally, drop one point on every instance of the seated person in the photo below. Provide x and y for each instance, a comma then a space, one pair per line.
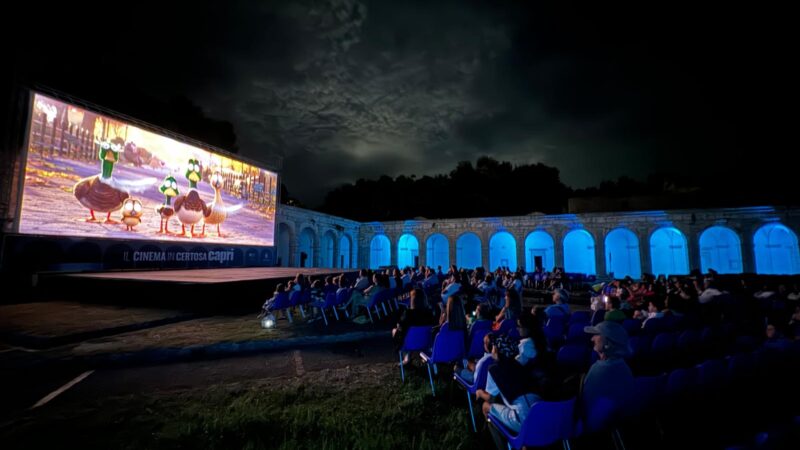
482, 313
653, 312
509, 392
614, 313
358, 299
417, 314
267, 308
559, 306
472, 368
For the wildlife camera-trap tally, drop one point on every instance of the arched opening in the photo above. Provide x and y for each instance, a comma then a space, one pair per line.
305, 248
327, 250
437, 251
622, 254
284, 244
776, 250
344, 252
721, 250
668, 252
502, 251
539, 251
579, 252
380, 252
407, 251
468, 251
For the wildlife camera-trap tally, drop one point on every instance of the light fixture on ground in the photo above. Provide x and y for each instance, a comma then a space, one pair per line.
268, 321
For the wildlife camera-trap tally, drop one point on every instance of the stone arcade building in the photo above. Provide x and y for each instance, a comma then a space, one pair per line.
729, 240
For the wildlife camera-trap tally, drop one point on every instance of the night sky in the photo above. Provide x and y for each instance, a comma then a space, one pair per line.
344, 89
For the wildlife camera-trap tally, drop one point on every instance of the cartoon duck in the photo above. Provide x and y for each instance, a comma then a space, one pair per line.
98, 193
216, 210
190, 208
169, 187
131, 213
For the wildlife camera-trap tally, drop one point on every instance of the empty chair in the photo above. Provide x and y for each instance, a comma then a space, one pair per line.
546, 424
576, 335
580, 317
418, 339
632, 326
448, 347
574, 357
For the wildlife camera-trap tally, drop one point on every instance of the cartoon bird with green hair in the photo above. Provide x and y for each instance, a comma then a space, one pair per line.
169, 187
99, 192
190, 208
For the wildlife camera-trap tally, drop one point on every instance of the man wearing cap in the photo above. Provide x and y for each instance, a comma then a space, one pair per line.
559, 306
510, 383
607, 385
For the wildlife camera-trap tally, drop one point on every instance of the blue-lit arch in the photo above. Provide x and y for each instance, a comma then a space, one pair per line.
669, 254
284, 242
539, 243
622, 254
468, 251
721, 250
380, 252
502, 251
306, 245
579, 253
776, 250
344, 252
437, 251
407, 250
327, 253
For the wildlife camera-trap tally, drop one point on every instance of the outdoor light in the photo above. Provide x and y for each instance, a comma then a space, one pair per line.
268, 321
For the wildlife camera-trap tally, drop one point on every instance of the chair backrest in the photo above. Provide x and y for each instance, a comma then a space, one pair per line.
476, 342
679, 381
417, 339
598, 316
481, 376
576, 335
648, 392
663, 343
688, 340
632, 326
654, 325
580, 317
481, 325
574, 357
640, 345
296, 298
330, 300
557, 321
711, 373
742, 367
547, 423
343, 296
448, 347
281, 301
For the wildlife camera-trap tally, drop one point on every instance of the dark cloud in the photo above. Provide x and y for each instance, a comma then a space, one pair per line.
343, 89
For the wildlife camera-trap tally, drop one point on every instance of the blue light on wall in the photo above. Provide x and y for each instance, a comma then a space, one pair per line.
539, 244
344, 252
437, 251
306, 246
721, 250
579, 252
776, 250
502, 251
668, 252
327, 250
380, 252
407, 250
622, 254
283, 244
468, 251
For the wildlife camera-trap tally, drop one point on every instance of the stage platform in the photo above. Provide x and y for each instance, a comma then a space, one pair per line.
217, 290
210, 276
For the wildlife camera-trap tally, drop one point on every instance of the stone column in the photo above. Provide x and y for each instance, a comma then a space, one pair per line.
600, 250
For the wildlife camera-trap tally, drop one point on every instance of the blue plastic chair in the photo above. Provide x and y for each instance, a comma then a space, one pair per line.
329, 302
598, 317
680, 382
712, 373
648, 394
478, 382
476, 342
632, 326
663, 346
741, 367
580, 317
575, 357
448, 347
546, 424
418, 339
576, 335
296, 299
654, 325
282, 303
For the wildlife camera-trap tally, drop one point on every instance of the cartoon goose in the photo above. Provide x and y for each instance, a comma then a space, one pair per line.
217, 212
169, 187
190, 208
97, 193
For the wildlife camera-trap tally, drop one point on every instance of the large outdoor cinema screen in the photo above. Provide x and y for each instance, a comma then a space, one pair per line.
91, 175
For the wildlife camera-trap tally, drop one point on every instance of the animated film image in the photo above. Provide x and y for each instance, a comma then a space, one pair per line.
91, 175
